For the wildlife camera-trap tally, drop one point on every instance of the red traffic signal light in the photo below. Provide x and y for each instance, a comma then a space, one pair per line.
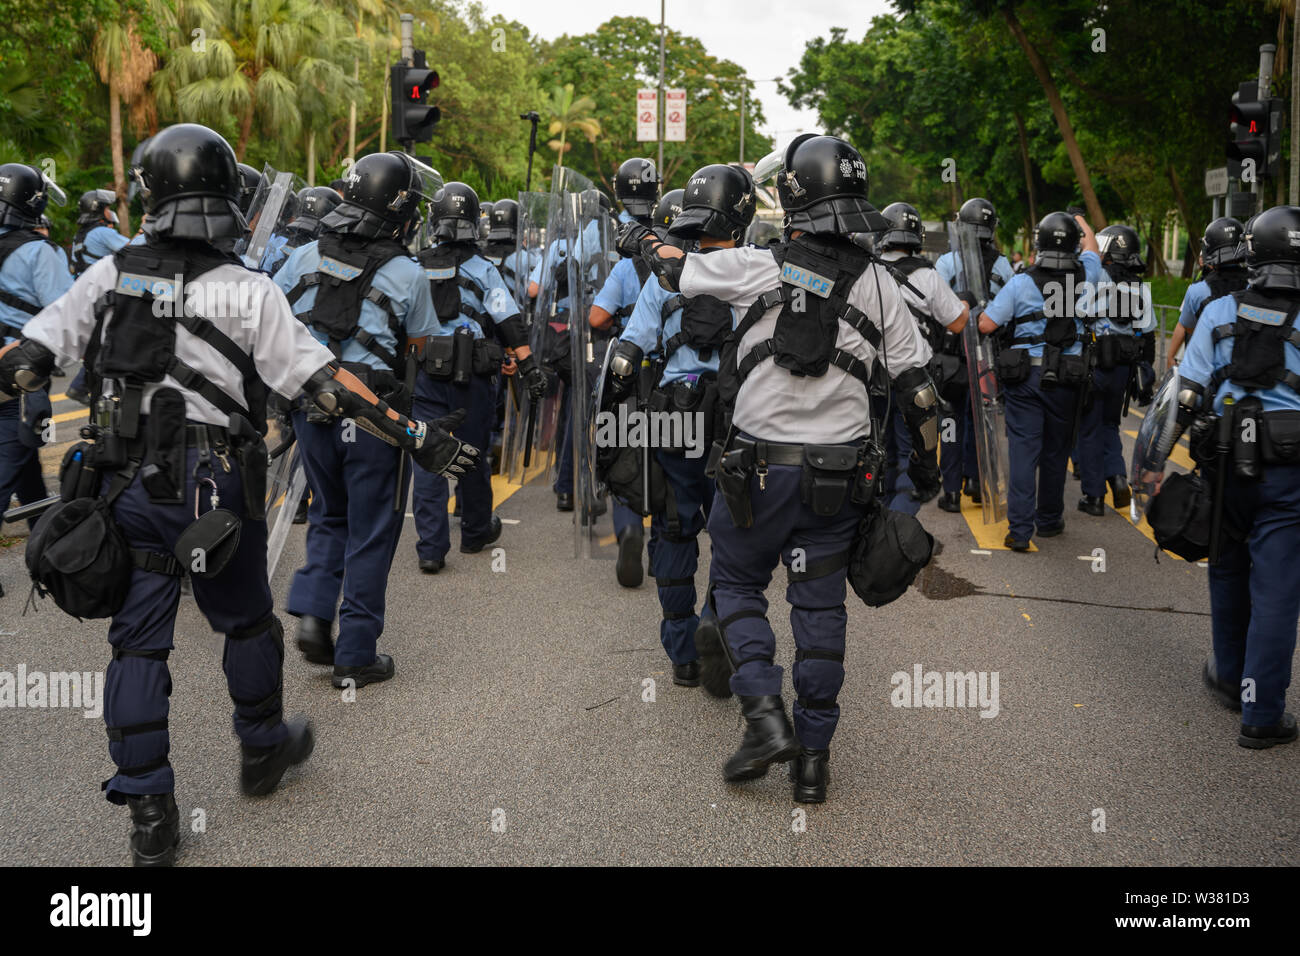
418, 82
413, 118
1248, 134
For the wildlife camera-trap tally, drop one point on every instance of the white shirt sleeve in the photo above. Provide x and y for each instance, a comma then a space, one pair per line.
737, 276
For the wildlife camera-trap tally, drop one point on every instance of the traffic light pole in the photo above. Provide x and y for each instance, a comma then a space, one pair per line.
408, 57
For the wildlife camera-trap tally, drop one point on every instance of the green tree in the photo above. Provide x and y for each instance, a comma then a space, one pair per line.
569, 113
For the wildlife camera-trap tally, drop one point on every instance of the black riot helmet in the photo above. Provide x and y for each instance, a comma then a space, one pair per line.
1056, 241
484, 220
637, 187
905, 231
454, 213
92, 205
1273, 249
667, 209
718, 204
382, 193
24, 193
1120, 244
1222, 243
250, 181
190, 185
822, 186
980, 214
314, 203
503, 221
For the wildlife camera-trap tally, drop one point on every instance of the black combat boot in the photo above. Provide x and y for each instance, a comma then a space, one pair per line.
1120, 493
715, 666
563, 501
1227, 695
1261, 738
262, 767
315, 639
687, 675
628, 568
380, 669
493, 533
950, 501
1094, 505
972, 489
768, 739
810, 772
155, 828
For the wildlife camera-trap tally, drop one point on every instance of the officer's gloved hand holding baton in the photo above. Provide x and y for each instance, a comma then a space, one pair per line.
629, 237
532, 377
437, 450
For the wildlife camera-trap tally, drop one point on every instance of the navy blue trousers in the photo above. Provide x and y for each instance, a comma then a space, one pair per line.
352, 532
20, 465
788, 531
1101, 455
957, 458
235, 602
1254, 601
434, 399
1038, 437
675, 557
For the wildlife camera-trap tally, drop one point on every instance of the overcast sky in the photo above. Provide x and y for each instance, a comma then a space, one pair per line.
764, 36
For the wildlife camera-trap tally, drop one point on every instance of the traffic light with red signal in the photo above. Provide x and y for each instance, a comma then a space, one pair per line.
413, 116
1254, 135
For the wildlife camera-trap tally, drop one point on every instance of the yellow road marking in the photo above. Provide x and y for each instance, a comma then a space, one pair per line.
987, 536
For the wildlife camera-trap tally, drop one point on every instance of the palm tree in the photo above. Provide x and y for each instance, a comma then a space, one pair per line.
125, 65
266, 60
570, 113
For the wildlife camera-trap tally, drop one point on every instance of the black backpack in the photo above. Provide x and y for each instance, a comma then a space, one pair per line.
78, 556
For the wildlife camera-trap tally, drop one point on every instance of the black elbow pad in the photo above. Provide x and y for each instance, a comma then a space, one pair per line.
513, 332
26, 367
669, 271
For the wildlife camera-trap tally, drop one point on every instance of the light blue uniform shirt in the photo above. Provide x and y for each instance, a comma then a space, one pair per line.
36, 272
1002, 272
1196, 293
1020, 297
497, 301
402, 279
645, 332
519, 263
621, 289
1203, 357
99, 242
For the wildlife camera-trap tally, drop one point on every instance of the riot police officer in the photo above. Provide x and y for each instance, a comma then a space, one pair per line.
502, 248
817, 311
460, 367
1223, 271
1243, 365
33, 273
96, 235
636, 186
1121, 321
940, 315
1041, 367
957, 458
361, 294
685, 337
179, 408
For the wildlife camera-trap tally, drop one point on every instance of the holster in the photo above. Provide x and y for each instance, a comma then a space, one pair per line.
869, 476
163, 470
250, 452
1280, 438
735, 468
829, 471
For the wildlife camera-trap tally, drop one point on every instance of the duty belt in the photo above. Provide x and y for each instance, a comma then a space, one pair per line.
781, 453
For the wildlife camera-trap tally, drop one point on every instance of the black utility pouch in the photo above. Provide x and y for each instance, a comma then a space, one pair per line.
1246, 438
1281, 438
462, 359
1108, 352
438, 353
870, 473
1127, 348
1073, 369
78, 476
1051, 376
686, 396
487, 357
1012, 365
828, 473
163, 470
734, 471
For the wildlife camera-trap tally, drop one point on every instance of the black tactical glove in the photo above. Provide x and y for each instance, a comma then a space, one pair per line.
436, 450
1073, 211
532, 377
628, 238
926, 481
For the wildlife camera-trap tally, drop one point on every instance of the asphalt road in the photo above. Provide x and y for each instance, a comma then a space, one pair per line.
516, 730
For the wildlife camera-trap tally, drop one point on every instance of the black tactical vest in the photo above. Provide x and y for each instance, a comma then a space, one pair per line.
1265, 323
1116, 304
706, 323
79, 262
1221, 281
138, 319
10, 243
1060, 330
442, 266
816, 278
343, 280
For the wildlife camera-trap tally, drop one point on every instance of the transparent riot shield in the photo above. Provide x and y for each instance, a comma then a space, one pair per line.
988, 412
273, 208
1155, 441
528, 442
285, 484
